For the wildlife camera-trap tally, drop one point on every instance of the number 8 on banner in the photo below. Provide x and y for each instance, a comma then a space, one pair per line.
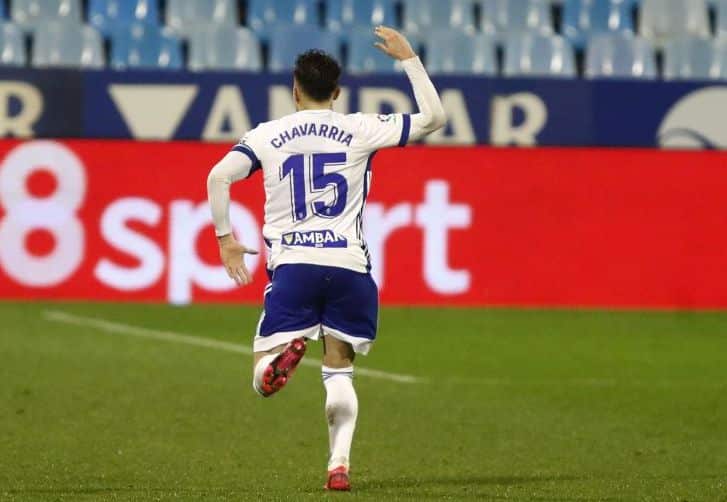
56, 213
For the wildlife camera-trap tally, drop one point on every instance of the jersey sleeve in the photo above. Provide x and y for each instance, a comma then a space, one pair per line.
249, 145
381, 131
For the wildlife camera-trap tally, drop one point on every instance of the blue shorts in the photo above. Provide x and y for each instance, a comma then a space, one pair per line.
302, 299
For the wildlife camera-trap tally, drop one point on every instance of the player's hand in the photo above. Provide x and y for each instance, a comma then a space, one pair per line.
393, 43
232, 254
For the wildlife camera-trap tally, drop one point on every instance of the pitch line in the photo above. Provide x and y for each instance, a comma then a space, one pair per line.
180, 338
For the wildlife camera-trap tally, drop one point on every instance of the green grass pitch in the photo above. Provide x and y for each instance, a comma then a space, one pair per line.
524, 405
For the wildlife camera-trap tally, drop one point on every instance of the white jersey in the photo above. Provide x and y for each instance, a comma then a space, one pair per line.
316, 167
317, 173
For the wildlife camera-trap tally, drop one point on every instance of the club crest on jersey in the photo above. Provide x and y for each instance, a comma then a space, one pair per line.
315, 239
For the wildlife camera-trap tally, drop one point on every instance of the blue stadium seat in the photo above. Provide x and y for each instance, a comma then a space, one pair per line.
363, 57
501, 17
224, 48
720, 59
583, 18
721, 18
108, 15
620, 55
145, 46
29, 14
660, 20
183, 15
690, 58
287, 41
60, 44
423, 15
538, 55
347, 14
12, 46
264, 15
451, 51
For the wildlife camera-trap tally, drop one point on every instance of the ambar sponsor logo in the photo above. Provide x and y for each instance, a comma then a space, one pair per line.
315, 238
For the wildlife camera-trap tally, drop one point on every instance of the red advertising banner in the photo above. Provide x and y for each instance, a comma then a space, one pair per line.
127, 221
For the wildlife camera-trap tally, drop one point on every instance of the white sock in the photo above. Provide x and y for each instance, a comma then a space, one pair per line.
257, 378
341, 412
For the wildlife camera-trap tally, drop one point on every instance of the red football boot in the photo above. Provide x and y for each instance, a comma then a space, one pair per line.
338, 480
278, 372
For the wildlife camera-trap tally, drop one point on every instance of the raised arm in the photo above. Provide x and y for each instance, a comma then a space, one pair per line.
233, 166
431, 113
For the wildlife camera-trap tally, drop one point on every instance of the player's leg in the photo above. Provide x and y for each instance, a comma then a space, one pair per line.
273, 368
341, 408
349, 321
291, 315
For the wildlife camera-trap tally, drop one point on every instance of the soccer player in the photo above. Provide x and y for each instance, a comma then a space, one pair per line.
316, 166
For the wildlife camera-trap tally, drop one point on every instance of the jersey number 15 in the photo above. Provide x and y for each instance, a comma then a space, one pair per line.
308, 177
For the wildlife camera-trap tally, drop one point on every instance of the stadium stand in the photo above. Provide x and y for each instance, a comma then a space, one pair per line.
356, 14
224, 48
285, 44
585, 18
144, 46
691, 58
502, 17
107, 15
264, 16
30, 14
538, 55
58, 45
12, 46
620, 55
452, 51
563, 38
420, 16
182, 15
661, 20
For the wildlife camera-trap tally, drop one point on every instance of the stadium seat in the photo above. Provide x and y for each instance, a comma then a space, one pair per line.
620, 55
583, 18
690, 58
423, 15
183, 15
347, 14
145, 46
287, 41
224, 48
60, 44
720, 59
12, 46
451, 51
721, 17
538, 55
110, 15
664, 19
264, 15
31, 13
501, 17
363, 57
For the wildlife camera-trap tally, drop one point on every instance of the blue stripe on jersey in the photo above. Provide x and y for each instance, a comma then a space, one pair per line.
246, 150
359, 217
405, 129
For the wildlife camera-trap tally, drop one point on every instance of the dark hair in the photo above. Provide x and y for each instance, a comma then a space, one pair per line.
317, 74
